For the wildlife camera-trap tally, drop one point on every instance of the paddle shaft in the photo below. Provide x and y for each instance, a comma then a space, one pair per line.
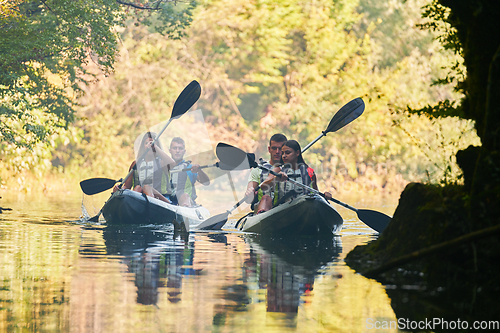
309, 188
210, 224
239, 203
201, 167
313, 142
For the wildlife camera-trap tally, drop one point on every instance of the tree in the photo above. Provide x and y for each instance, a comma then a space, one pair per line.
474, 32
44, 48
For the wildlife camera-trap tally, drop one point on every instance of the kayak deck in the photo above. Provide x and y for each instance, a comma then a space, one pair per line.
304, 215
130, 207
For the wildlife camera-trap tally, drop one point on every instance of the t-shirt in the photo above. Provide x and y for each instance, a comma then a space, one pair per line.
255, 175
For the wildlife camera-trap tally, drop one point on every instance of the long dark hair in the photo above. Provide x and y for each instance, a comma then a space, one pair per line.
296, 147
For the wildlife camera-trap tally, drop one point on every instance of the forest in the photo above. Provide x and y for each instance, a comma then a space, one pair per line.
80, 81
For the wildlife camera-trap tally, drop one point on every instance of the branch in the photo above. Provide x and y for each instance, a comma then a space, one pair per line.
231, 102
141, 6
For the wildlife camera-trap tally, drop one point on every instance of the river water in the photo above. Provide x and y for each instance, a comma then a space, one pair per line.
60, 274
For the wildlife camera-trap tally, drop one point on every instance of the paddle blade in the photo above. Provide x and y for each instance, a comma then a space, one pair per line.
95, 218
214, 223
186, 99
375, 220
224, 166
346, 115
233, 157
97, 185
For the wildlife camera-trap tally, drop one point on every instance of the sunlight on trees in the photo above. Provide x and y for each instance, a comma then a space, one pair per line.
286, 66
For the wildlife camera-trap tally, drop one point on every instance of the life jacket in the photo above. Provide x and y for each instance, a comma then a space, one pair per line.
183, 182
150, 173
303, 175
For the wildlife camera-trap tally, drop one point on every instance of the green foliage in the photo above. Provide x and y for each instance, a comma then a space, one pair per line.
45, 45
167, 17
296, 63
391, 26
45, 48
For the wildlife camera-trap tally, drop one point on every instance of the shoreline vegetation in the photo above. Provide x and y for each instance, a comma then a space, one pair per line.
260, 77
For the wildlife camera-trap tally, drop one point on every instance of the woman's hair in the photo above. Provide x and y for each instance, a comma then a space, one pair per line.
296, 147
146, 136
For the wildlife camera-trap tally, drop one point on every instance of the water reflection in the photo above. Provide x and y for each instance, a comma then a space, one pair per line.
287, 267
157, 257
283, 268
59, 275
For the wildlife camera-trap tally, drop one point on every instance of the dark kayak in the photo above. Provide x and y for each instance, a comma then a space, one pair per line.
130, 207
304, 215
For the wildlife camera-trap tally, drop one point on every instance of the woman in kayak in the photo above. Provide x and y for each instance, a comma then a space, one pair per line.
151, 172
294, 167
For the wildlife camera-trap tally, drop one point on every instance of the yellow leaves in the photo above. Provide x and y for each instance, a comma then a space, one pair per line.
9, 10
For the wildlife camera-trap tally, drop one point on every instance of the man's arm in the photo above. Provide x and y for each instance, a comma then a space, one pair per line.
250, 192
164, 157
253, 182
202, 176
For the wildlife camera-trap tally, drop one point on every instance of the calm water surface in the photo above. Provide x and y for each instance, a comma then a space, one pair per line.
59, 274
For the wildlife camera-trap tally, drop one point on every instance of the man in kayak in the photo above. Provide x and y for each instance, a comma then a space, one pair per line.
151, 172
182, 190
262, 200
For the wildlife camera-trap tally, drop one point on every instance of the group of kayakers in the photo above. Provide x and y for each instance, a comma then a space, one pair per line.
157, 174
172, 179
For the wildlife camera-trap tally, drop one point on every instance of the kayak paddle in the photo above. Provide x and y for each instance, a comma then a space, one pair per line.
235, 157
344, 116
184, 102
217, 222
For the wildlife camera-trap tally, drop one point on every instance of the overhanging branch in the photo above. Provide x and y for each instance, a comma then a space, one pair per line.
155, 5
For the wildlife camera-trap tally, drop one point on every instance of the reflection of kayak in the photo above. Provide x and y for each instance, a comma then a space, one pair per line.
304, 215
308, 253
130, 207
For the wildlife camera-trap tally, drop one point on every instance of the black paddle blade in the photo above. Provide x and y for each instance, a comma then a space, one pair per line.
346, 115
375, 220
225, 167
97, 185
234, 157
94, 218
214, 223
186, 99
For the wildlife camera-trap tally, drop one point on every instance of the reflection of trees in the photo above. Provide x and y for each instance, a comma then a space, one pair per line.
155, 258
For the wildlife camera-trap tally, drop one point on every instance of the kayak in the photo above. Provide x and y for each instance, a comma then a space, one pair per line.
303, 215
131, 207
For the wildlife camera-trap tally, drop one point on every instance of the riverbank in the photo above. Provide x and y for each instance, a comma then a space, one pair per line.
436, 260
